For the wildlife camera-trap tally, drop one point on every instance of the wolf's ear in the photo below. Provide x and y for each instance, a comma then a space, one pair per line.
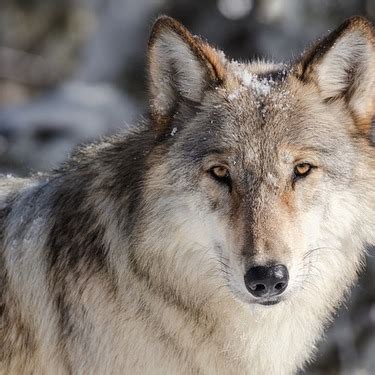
343, 67
181, 67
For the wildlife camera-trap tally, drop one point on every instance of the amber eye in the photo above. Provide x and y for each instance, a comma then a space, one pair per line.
302, 169
220, 174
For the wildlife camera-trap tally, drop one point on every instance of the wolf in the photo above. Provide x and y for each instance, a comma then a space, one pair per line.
217, 237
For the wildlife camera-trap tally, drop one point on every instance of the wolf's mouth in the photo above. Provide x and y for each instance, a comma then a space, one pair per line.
270, 302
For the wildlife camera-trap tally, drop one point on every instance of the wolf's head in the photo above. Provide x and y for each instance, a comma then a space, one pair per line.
264, 169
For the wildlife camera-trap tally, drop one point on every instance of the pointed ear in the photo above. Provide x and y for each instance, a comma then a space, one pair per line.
181, 67
343, 67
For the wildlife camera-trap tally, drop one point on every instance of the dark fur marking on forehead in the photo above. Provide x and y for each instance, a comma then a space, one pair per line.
261, 108
278, 75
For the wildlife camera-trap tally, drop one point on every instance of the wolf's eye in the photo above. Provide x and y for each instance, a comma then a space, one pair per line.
220, 174
302, 170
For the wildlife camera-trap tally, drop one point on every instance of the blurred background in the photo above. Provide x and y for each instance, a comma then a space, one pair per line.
74, 70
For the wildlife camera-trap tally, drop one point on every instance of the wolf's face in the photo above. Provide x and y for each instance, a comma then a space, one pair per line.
265, 159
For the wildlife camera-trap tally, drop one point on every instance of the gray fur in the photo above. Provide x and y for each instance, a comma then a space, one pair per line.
130, 258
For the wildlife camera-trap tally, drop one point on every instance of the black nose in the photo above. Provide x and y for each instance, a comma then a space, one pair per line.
262, 281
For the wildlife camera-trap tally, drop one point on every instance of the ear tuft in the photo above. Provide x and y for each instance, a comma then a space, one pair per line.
181, 67
342, 66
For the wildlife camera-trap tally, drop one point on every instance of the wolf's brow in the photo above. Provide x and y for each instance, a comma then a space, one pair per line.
313, 149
